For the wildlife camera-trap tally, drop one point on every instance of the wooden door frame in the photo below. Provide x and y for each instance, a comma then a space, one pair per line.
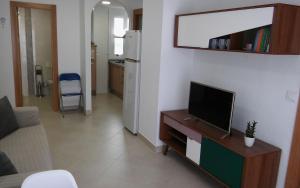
293, 172
14, 5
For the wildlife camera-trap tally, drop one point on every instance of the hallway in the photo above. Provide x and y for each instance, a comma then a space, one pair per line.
100, 153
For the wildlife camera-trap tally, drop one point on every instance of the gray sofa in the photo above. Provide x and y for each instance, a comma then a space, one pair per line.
27, 148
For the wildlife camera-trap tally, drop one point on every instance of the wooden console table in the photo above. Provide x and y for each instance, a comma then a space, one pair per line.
227, 160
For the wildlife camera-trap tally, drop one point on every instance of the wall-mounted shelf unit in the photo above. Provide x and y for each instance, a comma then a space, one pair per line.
264, 29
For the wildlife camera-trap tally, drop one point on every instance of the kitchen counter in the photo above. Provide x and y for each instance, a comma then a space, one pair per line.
119, 62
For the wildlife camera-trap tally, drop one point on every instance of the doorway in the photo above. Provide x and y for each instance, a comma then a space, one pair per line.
34, 39
121, 78
109, 24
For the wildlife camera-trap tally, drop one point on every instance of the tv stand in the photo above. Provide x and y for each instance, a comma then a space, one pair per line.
226, 159
188, 118
226, 135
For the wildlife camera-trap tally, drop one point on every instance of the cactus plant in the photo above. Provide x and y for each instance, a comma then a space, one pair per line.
251, 128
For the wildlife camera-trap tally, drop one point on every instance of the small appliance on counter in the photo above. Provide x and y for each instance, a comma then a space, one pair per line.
118, 61
132, 73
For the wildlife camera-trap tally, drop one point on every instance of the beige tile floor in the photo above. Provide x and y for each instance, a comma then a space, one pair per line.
101, 154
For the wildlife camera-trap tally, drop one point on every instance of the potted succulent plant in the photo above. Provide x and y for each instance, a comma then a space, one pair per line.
250, 134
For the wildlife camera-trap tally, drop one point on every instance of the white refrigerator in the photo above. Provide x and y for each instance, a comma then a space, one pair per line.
132, 51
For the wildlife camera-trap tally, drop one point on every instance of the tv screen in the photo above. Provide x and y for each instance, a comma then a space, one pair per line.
212, 105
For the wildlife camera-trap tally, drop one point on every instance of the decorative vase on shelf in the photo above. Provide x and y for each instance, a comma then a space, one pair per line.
250, 134
249, 142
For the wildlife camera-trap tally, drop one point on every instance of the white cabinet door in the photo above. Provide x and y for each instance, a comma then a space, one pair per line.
193, 150
132, 47
131, 96
196, 30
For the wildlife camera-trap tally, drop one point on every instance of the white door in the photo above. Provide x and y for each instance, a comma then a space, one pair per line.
132, 46
131, 96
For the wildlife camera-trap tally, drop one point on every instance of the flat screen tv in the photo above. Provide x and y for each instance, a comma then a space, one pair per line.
212, 105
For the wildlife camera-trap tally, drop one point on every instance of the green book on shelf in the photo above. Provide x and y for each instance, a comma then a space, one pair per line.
263, 42
259, 40
267, 40
255, 41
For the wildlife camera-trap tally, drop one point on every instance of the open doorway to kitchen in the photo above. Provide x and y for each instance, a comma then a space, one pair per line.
115, 58
34, 38
110, 22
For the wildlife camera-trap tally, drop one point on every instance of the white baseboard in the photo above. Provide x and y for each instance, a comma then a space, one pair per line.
88, 112
157, 149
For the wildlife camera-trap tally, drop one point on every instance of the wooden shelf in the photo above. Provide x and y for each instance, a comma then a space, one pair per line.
220, 50
193, 31
179, 136
177, 145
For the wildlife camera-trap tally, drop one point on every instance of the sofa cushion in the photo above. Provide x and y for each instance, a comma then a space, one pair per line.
6, 166
28, 149
27, 116
8, 120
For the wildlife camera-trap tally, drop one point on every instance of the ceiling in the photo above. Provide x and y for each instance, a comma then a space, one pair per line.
114, 4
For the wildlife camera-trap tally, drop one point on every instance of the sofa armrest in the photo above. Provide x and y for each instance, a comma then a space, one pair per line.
13, 181
27, 116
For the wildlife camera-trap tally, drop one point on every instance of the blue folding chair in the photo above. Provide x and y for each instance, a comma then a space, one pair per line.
69, 86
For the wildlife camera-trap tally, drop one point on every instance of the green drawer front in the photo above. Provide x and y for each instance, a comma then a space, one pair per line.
222, 163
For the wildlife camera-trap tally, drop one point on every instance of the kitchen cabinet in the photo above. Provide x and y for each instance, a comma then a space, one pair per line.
137, 22
116, 79
217, 160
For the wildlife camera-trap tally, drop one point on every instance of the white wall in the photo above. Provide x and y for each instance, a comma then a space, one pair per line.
68, 31
262, 84
6, 66
81, 10
150, 69
101, 29
137, 4
165, 70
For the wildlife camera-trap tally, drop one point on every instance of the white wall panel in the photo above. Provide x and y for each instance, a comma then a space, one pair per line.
197, 30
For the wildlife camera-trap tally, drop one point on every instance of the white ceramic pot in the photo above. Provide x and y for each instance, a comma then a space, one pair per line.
249, 141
